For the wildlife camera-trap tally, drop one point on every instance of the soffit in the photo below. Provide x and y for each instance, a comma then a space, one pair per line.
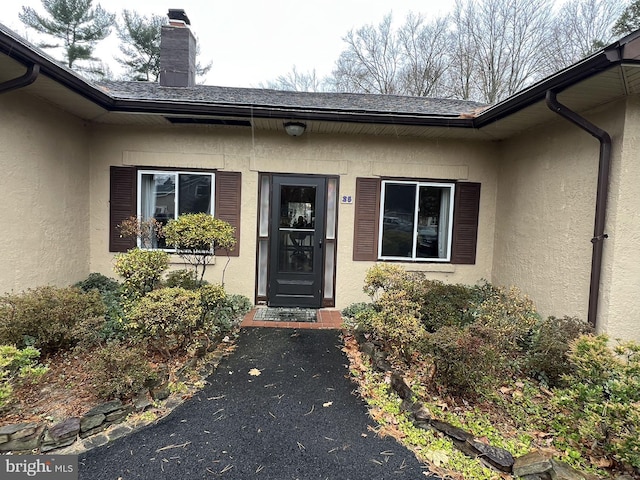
51, 91
632, 78
581, 97
313, 126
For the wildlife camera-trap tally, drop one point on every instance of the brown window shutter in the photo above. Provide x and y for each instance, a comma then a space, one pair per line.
228, 189
122, 205
465, 223
367, 211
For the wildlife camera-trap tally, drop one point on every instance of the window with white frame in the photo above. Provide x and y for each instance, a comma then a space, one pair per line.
165, 195
416, 221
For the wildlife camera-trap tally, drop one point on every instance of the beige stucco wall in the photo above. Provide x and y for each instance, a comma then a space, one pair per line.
545, 211
45, 195
251, 152
620, 304
536, 215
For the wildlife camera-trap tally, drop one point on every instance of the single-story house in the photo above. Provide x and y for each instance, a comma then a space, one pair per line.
540, 191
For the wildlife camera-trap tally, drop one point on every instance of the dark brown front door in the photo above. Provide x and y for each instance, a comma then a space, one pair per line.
297, 233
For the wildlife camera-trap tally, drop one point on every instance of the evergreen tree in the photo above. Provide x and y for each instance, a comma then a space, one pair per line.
140, 43
629, 21
77, 26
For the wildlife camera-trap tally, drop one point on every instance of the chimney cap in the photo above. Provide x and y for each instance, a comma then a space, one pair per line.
178, 14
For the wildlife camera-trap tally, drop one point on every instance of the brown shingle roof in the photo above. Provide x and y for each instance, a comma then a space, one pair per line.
336, 102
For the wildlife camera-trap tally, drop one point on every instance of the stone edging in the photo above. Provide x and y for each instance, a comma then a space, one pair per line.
535, 465
105, 422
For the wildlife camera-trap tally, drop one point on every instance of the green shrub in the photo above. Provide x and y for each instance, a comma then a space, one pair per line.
475, 335
599, 410
237, 305
468, 360
100, 282
397, 323
48, 318
111, 292
167, 318
212, 296
356, 308
196, 237
119, 371
364, 320
15, 364
472, 358
182, 278
141, 269
359, 316
442, 303
229, 312
547, 359
385, 277
510, 314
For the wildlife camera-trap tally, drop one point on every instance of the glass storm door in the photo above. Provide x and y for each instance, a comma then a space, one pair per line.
297, 234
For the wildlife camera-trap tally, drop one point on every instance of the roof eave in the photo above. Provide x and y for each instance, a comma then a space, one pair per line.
309, 114
599, 61
24, 54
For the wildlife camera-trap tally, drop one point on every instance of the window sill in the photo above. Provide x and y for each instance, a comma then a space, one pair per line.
175, 259
432, 267
425, 267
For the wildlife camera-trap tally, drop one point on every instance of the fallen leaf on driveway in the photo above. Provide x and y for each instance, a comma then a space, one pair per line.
254, 372
327, 404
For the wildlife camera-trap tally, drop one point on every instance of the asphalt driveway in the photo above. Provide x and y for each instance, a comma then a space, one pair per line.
297, 419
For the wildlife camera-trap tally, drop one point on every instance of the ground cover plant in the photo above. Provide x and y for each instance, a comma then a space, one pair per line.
481, 358
64, 350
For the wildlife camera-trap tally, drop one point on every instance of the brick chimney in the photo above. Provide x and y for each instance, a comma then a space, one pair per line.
177, 52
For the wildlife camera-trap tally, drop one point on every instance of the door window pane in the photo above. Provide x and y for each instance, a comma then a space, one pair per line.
264, 206
297, 207
296, 251
263, 255
332, 210
297, 224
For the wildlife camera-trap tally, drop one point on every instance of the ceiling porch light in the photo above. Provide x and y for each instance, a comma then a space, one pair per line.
294, 129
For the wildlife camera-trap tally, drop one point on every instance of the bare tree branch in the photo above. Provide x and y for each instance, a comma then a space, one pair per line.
297, 81
580, 28
486, 50
370, 63
498, 45
424, 61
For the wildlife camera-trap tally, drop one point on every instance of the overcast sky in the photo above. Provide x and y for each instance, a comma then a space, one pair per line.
252, 41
